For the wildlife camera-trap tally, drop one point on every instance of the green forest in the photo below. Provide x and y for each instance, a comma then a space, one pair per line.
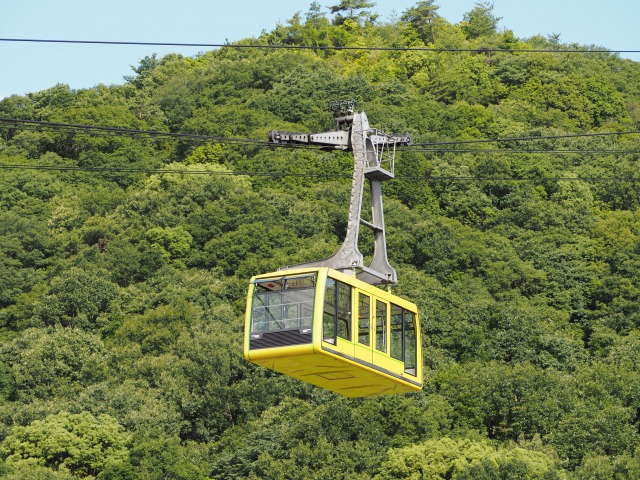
126, 258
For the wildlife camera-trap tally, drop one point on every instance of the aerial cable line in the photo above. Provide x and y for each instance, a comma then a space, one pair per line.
97, 130
493, 151
522, 139
311, 47
470, 178
419, 178
154, 171
418, 147
143, 134
67, 128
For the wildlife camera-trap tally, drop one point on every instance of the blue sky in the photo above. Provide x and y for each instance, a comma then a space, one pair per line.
29, 67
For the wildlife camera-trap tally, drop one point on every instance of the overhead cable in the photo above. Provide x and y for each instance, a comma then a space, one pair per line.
418, 147
524, 139
93, 129
492, 151
312, 47
419, 178
154, 171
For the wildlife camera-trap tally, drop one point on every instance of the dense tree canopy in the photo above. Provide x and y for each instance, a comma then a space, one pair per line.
125, 259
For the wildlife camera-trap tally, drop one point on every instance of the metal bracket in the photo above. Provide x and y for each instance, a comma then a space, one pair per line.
374, 155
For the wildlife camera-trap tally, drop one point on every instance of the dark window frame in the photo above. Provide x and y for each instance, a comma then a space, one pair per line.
404, 335
381, 333
281, 288
340, 314
367, 329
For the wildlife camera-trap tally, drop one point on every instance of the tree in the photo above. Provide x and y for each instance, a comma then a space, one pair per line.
77, 443
506, 403
421, 17
54, 362
147, 65
594, 426
480, 21
154, 455
314, 15
467, 459
77, 299
352, 6
601, 467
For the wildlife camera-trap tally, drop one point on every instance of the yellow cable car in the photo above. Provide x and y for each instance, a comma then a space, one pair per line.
335, 331
315, 322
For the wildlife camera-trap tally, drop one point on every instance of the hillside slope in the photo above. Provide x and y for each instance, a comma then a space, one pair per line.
122, 288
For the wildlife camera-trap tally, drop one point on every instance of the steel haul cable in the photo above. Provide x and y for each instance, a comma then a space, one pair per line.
313, 47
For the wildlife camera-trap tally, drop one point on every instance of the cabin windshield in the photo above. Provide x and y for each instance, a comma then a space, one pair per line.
283, 303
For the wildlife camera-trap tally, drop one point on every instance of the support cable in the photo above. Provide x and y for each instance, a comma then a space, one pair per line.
412, 178
313, 47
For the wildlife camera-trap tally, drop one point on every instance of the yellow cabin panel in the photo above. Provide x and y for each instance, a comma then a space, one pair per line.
348, 367
333, 373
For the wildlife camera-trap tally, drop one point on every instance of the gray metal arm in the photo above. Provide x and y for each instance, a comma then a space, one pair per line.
373, 153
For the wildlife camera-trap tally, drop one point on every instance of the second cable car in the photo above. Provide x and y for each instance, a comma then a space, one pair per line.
334, 331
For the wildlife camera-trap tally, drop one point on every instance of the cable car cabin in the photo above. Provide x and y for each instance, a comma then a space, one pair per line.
335, 331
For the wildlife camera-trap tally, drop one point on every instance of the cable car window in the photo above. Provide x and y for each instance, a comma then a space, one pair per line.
283, 303
364, 319
403, 338
336, 319
410, 359
381, 326
344, 311
396, 332
329, 315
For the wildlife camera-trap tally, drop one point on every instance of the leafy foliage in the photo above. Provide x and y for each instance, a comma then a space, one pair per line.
76, 443
122, 292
